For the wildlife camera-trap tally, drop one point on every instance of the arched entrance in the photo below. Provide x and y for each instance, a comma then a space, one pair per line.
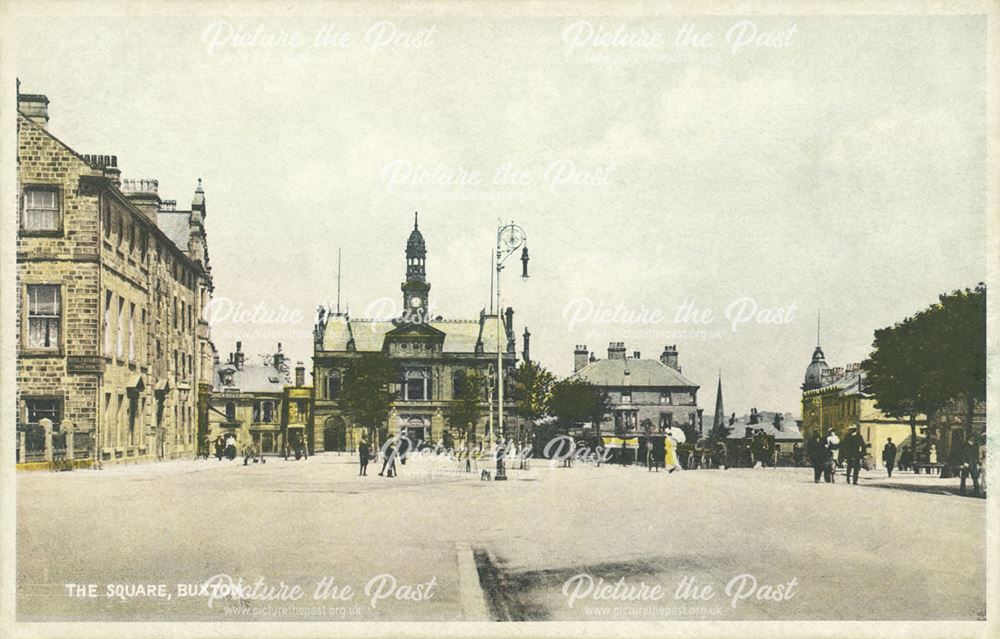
335, 434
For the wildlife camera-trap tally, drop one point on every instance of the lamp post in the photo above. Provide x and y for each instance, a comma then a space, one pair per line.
510, 238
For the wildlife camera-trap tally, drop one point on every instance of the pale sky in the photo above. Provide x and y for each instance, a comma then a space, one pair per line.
844, 170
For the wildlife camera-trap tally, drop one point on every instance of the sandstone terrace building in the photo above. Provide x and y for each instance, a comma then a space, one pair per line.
111, 282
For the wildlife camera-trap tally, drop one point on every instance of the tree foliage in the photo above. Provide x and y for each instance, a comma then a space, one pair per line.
366, 394
466, 409
532, 388
936, 356
574, 401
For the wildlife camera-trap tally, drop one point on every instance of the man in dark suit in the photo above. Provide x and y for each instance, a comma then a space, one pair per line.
852, 451
970, 465
889, 456
389, 462
814, 451
364, 455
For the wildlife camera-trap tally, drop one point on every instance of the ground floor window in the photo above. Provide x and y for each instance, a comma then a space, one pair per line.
37, 409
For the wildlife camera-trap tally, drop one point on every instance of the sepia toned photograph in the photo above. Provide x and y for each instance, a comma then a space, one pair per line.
498, 319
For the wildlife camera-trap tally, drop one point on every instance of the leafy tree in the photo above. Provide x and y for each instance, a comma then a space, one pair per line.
960, 320
898, 374
366, 394
531, 390
574, 401
532, 387
467, 407
932, 358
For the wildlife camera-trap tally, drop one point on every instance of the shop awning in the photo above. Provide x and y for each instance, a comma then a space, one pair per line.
620, 442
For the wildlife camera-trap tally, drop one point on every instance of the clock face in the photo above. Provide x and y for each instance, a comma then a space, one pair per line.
415, 302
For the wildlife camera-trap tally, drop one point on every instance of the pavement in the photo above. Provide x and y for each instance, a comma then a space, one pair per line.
311, 540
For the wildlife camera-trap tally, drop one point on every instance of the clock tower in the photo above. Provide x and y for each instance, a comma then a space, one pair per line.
415, 288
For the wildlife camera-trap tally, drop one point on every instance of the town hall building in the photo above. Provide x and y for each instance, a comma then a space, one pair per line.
434, 357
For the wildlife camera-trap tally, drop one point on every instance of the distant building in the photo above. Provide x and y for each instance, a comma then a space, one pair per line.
837, 399
251, 401
434, 356
641, 389
111, 340
785, 431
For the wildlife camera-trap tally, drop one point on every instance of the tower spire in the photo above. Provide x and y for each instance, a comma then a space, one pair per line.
415, 220
719, 421
818, 313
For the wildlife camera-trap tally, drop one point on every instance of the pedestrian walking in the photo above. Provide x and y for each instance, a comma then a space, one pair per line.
670, 454
889, 456
852, 450
230, 447
389, 462
970, 466
364, 454
831, 444
814, 452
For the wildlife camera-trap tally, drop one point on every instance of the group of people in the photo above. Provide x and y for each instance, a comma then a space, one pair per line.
225, 446
668, 459
365, 455
824, 453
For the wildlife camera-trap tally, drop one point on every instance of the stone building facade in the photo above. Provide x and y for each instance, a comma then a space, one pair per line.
111, 343
434, 357
835, 398
258, 403
641, 389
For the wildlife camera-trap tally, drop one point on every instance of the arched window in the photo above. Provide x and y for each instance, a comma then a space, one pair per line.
458, 383
230, 412
333, 384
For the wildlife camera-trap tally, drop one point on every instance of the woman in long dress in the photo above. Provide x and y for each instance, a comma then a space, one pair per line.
670, 454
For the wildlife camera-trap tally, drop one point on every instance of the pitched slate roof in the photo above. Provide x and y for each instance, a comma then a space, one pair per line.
174, 225
632, 372
789, 430
252, 378
460, 336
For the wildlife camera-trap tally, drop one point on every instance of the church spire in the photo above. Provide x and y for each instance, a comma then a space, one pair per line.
719, 421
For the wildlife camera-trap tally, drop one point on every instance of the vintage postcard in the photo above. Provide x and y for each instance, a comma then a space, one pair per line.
498, 319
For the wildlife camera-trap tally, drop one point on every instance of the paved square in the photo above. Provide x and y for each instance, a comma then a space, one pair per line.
438, 544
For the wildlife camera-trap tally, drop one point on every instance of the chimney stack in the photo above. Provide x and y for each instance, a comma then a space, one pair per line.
579, 357
144, 194
279, 358
34, 107
526, 348
636, 354
616, 350
238, 356
669, 357
300, 374
108, 164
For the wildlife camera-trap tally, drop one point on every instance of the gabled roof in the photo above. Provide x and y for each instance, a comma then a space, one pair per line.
460, 336
789, 430
632, 372
252, 378
173, 232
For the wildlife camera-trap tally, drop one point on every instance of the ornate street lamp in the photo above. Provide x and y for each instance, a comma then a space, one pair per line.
510, 238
